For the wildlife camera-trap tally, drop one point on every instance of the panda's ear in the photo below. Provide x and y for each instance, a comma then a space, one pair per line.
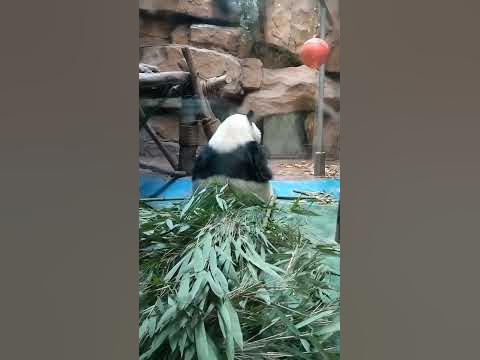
251, 116
259, 162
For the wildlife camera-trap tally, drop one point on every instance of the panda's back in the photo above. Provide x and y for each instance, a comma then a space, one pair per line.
247, 162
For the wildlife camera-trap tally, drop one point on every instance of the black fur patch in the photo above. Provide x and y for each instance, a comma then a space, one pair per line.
247, 162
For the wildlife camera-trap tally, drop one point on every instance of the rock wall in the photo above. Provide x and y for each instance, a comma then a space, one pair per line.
263, 62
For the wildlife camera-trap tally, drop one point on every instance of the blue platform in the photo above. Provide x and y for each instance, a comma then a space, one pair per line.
151, 186
324, 225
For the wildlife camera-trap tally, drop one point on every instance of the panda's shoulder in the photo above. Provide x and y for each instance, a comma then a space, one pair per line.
206, 152
255, 148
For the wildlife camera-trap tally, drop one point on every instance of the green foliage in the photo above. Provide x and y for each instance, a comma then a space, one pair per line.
226, 276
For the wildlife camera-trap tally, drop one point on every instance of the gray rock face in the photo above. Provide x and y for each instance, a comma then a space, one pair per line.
209, 64
289, 23
252, 73
331, 134
245, 73
289, 90
233, 40
154, 32
333, 38
181, 35
203, 9
284, 135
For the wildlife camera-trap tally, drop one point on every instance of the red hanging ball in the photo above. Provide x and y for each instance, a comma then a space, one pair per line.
314, 52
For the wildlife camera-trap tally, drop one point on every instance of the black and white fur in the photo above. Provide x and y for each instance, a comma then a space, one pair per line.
234, 155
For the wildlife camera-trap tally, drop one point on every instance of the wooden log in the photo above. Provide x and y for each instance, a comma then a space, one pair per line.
216, 82
186, 158
146, 68
188, 134
163, 78
182, 64
319, 162
197, 85
157, 141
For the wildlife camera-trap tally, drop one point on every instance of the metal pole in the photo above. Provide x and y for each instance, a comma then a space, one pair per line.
318, 155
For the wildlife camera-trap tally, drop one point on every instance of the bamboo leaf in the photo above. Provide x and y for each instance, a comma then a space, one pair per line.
183, 228
183, 292
182, 342
252, 271
317, 317
220, 279
287, 323
186, 208
207, 239
330, 328
166, 317
306, 345
212, 349
262, 294
212, 260
173, 339
197, 286
198, 260
220, 202
257, 261
152, 324
201, 343
224, 319
143, 330
169, 224
172, 272
262, 253
183, 269
190, 353
216, 288
235, 323
221, 323
157, 342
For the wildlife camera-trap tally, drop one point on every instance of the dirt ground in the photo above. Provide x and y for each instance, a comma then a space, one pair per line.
283, 169
301, 169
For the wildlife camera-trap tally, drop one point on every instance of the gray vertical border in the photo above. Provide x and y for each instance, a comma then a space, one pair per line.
410, 180
69, 189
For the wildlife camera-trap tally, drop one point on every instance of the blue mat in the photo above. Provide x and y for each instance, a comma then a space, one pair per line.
182, 188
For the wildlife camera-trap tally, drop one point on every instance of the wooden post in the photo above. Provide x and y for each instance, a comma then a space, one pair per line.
188, 135
210, 123
319, 163
197, 85
318, 154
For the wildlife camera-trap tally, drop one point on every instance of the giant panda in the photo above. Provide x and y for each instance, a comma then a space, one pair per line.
234, 155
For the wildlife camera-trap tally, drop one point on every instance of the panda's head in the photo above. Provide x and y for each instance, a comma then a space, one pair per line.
235, 131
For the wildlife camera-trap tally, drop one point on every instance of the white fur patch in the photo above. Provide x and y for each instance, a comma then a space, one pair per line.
263, 190
234, 131
257, 135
